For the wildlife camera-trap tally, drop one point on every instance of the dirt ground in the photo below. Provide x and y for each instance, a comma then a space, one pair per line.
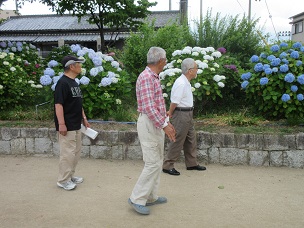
251, 196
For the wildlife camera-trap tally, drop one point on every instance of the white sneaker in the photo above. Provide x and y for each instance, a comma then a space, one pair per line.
69, 185
77, 180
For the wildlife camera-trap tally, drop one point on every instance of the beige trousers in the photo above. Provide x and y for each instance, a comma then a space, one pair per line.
152, 145
185, 140
70, 148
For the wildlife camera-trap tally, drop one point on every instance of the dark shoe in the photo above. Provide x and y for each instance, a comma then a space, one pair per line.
171, 172
197, 167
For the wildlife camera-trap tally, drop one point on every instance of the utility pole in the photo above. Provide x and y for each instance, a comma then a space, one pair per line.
169, 5
249, 10
201, 11
183, 11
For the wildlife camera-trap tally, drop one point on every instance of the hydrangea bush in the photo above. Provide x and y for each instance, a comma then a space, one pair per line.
20, 67
214, 70
104, 84
275, 83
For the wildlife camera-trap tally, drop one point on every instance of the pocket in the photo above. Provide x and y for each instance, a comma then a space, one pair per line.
151, 152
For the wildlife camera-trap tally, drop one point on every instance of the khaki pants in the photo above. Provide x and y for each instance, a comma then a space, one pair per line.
185, 140
70, 148
152, 145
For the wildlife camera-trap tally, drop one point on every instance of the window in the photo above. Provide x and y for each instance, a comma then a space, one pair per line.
297, 27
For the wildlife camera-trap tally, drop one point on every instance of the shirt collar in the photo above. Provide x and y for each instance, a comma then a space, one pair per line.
153, 73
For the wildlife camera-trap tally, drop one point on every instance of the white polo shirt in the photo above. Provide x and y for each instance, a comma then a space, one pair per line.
181, 93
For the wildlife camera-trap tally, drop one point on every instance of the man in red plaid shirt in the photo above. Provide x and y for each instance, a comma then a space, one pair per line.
152, 125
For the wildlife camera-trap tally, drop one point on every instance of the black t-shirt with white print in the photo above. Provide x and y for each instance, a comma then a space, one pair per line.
68, 93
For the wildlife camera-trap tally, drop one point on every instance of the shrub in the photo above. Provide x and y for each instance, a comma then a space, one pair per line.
19, 75
105, 85
210, 81
275, 83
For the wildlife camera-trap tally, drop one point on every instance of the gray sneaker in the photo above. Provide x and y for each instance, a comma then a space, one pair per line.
69, 185
159, 200
77, 180
139, 208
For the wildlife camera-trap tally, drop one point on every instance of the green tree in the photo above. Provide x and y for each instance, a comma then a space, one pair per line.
1, 2
112, 14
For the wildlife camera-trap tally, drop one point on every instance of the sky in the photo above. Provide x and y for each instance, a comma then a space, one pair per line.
274, 14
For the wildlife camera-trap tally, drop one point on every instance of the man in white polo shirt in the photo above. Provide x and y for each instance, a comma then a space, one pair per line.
181, 114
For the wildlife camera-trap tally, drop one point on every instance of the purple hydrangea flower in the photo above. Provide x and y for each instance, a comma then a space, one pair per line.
222, 50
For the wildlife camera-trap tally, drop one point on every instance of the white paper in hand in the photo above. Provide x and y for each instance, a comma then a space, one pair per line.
89, 132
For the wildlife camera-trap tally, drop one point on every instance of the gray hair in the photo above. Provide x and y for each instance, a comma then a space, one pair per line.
155, 54
187, 64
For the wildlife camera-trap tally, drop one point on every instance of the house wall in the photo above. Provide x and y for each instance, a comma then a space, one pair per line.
296, 35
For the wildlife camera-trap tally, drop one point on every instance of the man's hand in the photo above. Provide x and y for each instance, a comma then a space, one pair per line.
170, 131
63, 129
86, 123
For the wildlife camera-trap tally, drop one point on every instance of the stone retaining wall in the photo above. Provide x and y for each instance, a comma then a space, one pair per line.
226, 149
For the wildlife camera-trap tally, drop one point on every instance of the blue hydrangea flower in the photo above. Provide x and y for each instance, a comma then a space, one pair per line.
302, 49
283, 55
52, 63
294, 88
275, 62
77, 80
94, 71
295, 54
81, 53
97, 61
56, 78
284, 68
300, 97
3, 44
299, 63
285, 97
275, 48
271, 57
285, 61
246, 76
275, 70
289, 78
53, 86
84, 80
265, 66
300, 79
290, 50
297, 45
263, 55
49, 71
244, 84
106, 81
75, 48
264, 81
268, 71
254, 59
45, 80
19, 48
283, 44
258, 67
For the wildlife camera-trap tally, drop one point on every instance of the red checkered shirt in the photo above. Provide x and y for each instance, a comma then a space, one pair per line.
150, 98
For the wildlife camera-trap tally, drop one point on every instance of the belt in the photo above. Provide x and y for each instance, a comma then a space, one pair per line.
183, 109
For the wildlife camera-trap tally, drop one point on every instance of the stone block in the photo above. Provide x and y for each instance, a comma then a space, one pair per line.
133, 153
258, 158
55, 146
29, 146
18, 146
204, 140
279, 142
233, 156
214, 155
294, 158
249, 141
35, 132
202, 156
300, 141
276, 158
85, 151
9, 133
43, 146
100, 152
128, 137
107, 138
5, 147
118, 152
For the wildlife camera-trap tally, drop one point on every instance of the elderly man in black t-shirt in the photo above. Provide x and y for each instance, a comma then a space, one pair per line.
68, 117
